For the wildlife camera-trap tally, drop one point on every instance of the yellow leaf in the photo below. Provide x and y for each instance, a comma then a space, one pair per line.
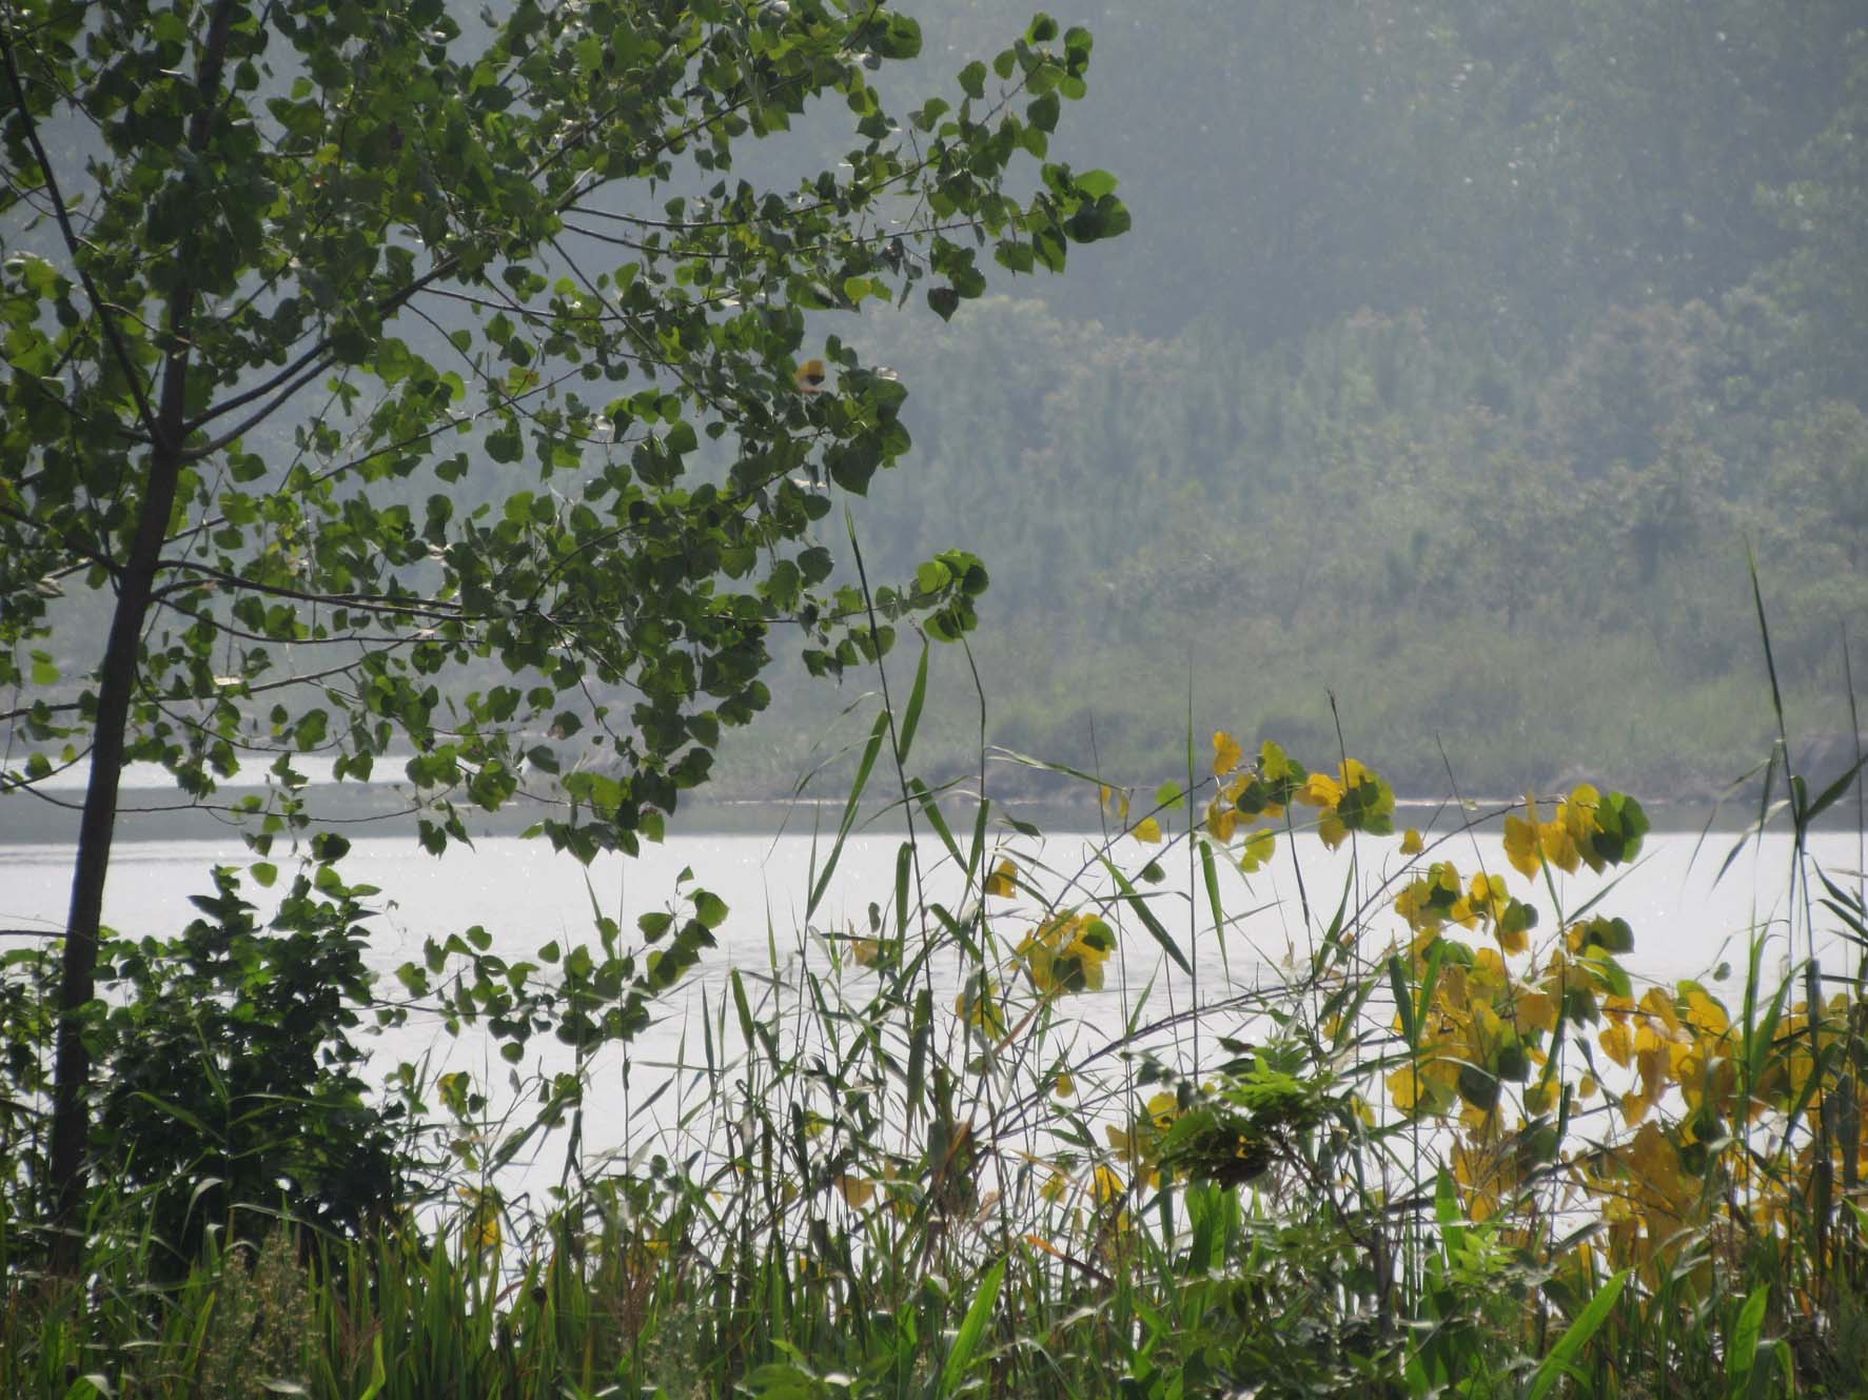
1536, 1011
1521, 843
1577, 812
1332, 831
482, 1226
1658, 1003
857, 1193
1616, 1044
1320, 790
1411, 844
980, 1006
1654, 1157
1040, 961
1148, 832
1106, 1185
1163, 1109
1405, 1089
1259, 848
810, 377
1559, 846
1226, 753
1488, 970
1222, 819
1704, 1014
1003, 882
1064, 1087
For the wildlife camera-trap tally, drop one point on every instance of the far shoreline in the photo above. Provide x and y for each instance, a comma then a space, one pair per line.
390, 809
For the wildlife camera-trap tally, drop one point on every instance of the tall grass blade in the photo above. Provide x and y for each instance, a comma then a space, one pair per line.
972, 1327
1827, 798
1210, 874
1741, 1352
911, 717
1562, 1358
1156, 929
877, 733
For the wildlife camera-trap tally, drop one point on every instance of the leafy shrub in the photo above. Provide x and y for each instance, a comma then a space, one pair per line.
230, 1076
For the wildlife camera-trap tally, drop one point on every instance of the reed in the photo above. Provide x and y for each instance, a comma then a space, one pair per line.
1421, 1133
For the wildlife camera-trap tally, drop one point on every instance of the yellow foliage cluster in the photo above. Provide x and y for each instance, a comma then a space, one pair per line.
1139, 1144
1066, 953
1355, 798
1588, 829
1438, 898
1715, 1132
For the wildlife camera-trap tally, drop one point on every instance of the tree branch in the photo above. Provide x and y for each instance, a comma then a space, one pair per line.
368, 602
258, 416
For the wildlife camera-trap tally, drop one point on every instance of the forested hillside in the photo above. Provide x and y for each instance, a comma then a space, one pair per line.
1457, 355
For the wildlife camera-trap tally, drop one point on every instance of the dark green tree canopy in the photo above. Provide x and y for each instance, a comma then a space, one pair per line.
470, 349
417, 382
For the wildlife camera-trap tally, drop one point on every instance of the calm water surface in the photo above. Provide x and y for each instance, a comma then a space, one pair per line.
524, 895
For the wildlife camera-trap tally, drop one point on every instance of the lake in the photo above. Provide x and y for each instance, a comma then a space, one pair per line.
524, 895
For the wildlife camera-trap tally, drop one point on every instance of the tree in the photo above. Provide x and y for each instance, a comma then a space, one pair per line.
350, 347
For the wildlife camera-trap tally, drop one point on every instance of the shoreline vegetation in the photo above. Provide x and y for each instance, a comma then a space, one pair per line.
389, 808
1455, 1149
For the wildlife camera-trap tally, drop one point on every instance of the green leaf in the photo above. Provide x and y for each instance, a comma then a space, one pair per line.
1570, 1345
328, 847
972, 1327
900, 37
710, 909
379, 1373
1741, 1351
917, 697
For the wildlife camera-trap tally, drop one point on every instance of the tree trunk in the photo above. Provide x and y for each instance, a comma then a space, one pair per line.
71, 1074
67, 1167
